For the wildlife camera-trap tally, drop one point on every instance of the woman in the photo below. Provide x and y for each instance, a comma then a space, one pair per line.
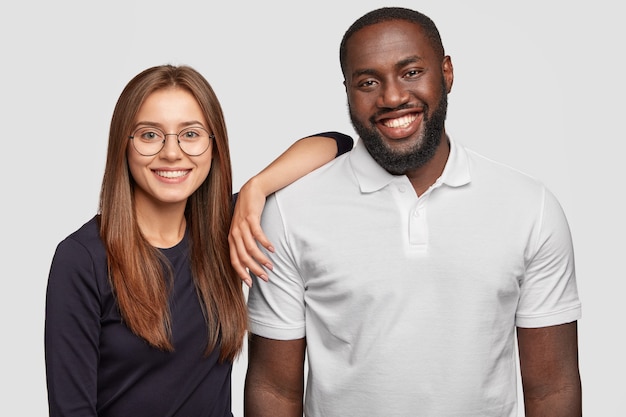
144, 313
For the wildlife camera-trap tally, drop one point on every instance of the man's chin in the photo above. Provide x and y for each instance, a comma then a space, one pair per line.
402, 146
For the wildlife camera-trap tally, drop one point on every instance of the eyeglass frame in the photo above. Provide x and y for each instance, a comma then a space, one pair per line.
165, 135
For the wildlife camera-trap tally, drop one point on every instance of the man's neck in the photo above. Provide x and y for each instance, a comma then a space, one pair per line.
425, 176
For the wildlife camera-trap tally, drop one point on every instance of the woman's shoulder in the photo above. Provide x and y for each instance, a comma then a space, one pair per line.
89, 230
86, 236
80, 261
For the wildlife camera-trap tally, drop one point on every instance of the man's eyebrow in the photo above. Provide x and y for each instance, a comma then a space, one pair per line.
366, 71
402, 63
409, 60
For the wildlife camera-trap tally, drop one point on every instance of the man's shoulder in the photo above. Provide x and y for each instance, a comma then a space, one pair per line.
336, 173
484, 167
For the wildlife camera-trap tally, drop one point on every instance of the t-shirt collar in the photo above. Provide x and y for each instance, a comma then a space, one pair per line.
372, 177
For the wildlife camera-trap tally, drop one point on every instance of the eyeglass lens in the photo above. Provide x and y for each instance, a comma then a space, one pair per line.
150, 140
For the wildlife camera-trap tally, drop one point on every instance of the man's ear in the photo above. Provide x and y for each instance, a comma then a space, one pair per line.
448, 72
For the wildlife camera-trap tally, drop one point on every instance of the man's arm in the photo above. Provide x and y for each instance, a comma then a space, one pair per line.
549, 368
274, 384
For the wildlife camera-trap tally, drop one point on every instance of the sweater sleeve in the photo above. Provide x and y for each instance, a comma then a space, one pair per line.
344, 142
72, 328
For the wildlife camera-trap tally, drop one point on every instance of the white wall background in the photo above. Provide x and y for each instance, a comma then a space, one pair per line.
539, 85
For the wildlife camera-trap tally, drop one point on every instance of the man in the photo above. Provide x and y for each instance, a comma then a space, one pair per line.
404, 269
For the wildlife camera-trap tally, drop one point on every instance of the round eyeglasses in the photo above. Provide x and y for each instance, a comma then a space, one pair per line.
149, 140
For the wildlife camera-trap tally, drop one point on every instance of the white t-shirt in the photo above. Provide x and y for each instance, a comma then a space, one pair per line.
409, 305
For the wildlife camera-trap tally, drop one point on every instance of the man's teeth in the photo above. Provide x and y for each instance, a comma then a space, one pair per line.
403, 121
171, 174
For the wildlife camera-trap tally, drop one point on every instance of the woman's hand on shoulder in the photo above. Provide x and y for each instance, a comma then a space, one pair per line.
245, 232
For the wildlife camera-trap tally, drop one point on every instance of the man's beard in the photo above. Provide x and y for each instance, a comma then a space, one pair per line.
401, 162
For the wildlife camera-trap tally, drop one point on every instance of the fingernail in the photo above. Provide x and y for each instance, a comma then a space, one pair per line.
269, 266
264, 277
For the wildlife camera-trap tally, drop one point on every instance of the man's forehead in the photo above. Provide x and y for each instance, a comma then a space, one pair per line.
395, 41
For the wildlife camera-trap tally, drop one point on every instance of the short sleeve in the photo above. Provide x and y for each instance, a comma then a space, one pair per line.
277, 308
549, 294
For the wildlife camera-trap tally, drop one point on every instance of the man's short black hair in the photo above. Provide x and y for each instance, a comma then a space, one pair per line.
386, 14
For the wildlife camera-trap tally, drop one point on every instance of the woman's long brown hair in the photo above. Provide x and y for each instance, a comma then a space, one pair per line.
139, 274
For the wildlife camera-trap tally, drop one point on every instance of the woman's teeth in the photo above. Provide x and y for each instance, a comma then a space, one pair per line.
171, 174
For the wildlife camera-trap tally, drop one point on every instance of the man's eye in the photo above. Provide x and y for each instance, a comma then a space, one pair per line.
413, 73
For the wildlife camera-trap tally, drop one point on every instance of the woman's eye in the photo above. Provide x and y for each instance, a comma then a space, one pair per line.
150, 135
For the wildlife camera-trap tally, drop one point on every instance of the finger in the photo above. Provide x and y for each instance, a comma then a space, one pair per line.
250, 235
253, 255
258, 234
246, 254
238, 267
